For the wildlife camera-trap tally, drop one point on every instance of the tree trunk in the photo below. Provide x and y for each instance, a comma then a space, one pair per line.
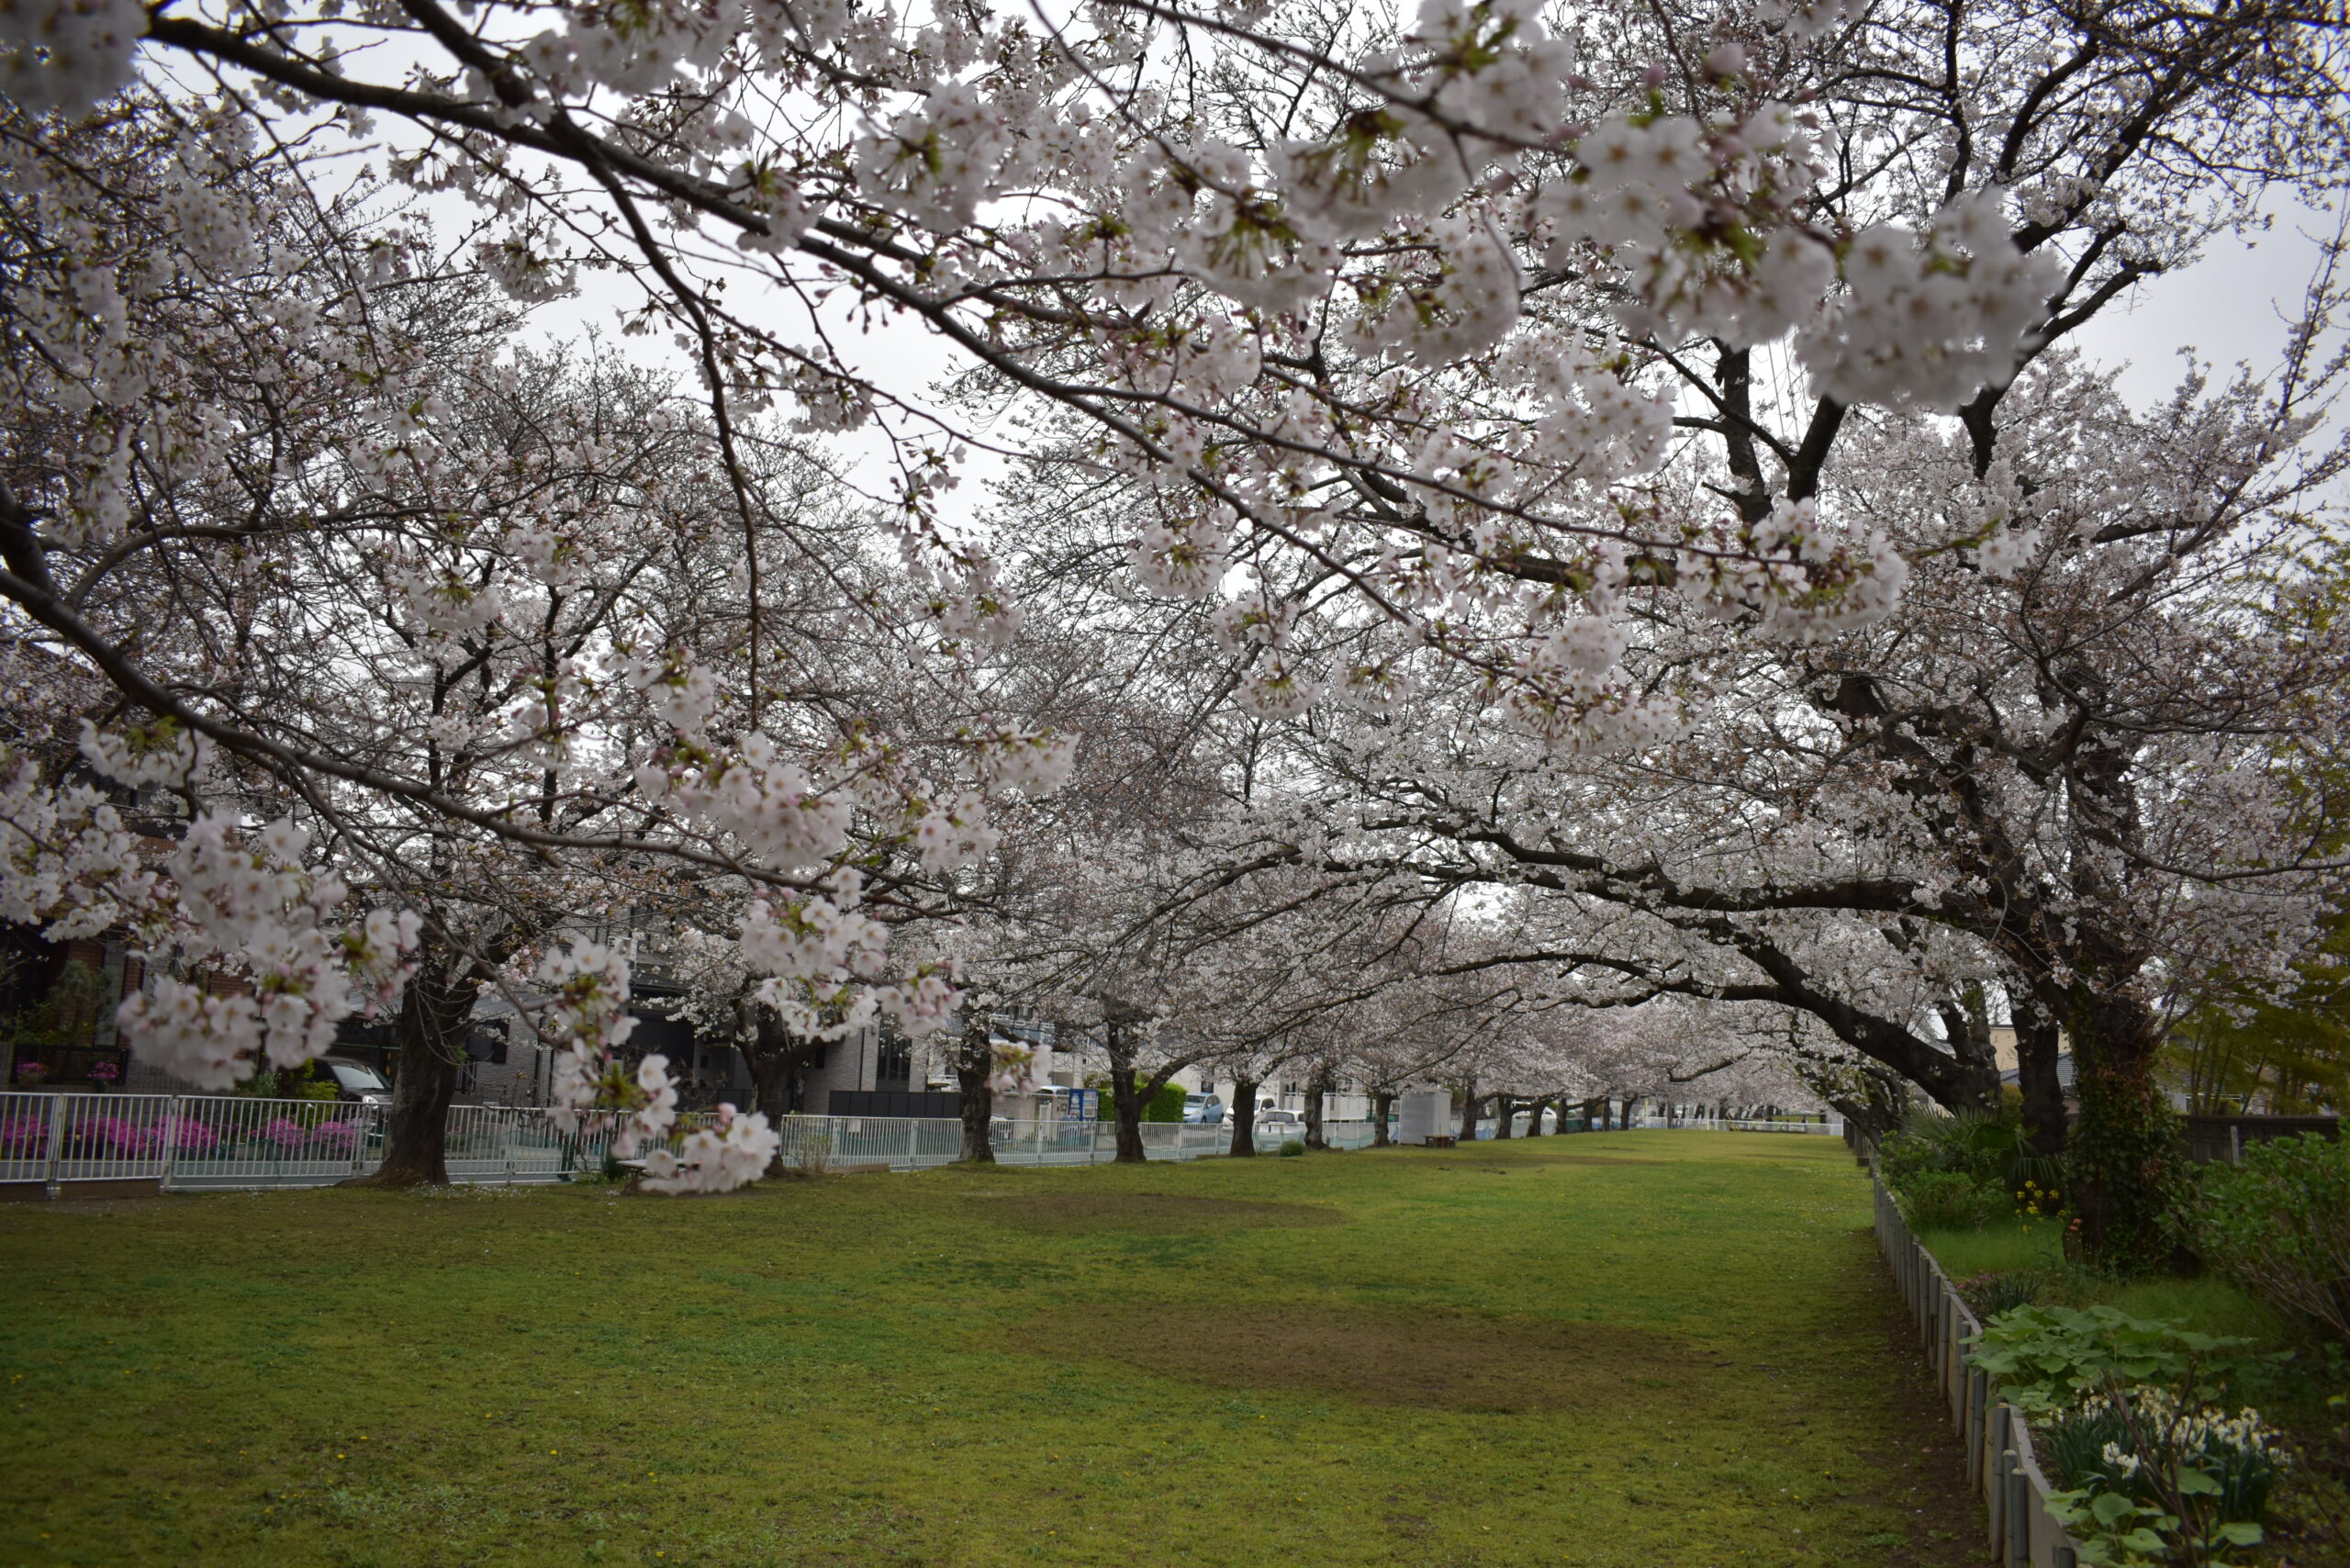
1876, 1110
1469, 1111
771, 1073
2039, 1042
1244, 1109
1315, 1092
1382, 1103
775, 1057
1504, 1113
1125, 1096
1966, 1023
2124, 1157
430, 1028
1534, 1118
974, 1079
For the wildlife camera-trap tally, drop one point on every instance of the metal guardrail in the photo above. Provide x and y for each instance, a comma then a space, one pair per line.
2000, 1462
190, 1143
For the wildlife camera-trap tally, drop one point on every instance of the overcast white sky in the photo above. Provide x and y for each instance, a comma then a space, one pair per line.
2230, 306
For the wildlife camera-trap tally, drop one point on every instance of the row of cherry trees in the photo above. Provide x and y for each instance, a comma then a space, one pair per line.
1406, 531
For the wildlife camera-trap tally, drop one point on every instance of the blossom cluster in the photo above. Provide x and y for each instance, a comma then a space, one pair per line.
1928, 320
274, 971
732, 1150
66, 54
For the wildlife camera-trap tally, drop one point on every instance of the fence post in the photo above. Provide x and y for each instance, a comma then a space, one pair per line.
56, 1143
1995, 1495
170, 1143
914, 1144
1976, 1389
2019, 1517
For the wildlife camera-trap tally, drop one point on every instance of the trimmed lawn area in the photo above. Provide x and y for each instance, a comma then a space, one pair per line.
2006, 1246
1638, 1349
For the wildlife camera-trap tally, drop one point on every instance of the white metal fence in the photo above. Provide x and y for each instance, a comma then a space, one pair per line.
1682, 1120
192, 1142
1706, 1122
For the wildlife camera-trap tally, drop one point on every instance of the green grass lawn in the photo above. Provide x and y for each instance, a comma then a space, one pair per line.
2207, 1303
1644, 1348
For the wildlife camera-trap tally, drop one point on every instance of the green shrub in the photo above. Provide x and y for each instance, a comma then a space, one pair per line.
2278, 1225
1949, 1200
1167, 1105
1957, 1172
2047, 1358
1293, 1149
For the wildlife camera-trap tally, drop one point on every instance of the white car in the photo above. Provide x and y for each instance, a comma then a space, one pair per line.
1279, 1127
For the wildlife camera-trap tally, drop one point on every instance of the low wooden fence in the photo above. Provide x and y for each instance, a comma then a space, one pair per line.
2000, 1462
2213, 1140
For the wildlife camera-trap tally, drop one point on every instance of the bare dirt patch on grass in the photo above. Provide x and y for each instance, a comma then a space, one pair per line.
1158, 1212
1424, 1361
1549, 1159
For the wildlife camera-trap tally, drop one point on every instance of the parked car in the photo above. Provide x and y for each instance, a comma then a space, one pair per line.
356, 1083
1280, 1125
1204, 1110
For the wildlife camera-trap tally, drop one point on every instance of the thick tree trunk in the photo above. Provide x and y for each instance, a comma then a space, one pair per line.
1967, 1024
430, 1028
775, 1057
1315, 1097
1244, 1111
2039, 1042
974, 1075
1469, 1103
2124, 1157
1383, 1102
1505, 1112
771, 1073
1126, 1097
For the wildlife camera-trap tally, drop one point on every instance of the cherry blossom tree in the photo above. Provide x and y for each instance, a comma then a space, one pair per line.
369, 570
1377, 331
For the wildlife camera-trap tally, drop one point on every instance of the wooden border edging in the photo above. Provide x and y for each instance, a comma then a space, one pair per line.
2001, 1464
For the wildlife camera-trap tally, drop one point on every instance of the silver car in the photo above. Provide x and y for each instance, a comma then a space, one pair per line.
1280, 1126
355, 1080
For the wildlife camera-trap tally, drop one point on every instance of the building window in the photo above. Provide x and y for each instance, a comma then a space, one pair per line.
893, 1061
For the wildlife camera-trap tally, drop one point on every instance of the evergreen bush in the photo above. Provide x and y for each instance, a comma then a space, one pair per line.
2278, 1225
